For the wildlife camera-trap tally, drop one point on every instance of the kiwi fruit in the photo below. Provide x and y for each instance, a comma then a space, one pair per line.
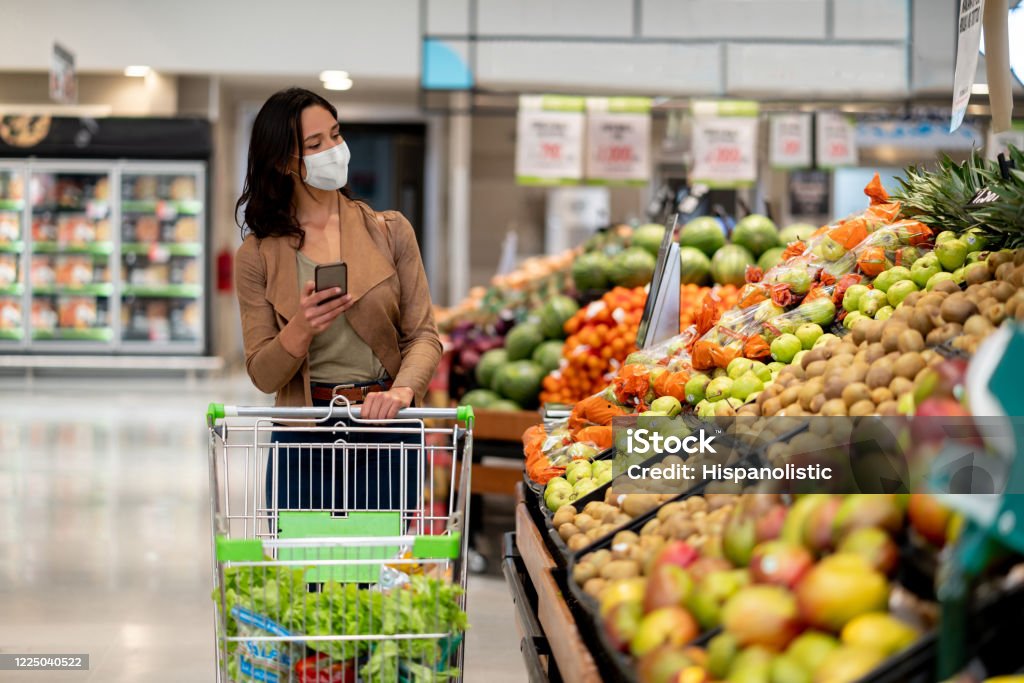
908, 365
771, 407
881, 395
900, 385
912, 298
978, 326
996, 314
878, 376
817, 403
1003, 291
862, 408
817, 368
890, 338
874, 352
834, 407
853, 393
888, 408
910, 340
941, 335
948, 286
789, 396
1004, 271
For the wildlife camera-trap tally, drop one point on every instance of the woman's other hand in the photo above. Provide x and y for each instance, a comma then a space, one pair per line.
384, 405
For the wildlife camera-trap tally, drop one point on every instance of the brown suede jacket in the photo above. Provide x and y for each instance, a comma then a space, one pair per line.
392, 312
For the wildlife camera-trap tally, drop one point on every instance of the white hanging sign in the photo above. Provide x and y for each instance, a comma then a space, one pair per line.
549, 140
835, 141
618, 140
968, 40
724, 143
791, 141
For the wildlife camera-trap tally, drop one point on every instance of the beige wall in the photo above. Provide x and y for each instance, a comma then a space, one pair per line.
154, 95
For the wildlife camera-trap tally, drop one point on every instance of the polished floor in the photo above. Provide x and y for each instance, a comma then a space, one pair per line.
105, 532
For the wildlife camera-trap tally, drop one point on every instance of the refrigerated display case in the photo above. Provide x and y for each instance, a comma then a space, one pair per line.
103, 256
12, 246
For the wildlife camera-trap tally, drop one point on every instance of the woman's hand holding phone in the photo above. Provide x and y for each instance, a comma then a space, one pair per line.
317, 310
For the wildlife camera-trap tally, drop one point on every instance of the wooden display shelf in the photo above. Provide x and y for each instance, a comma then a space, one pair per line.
503, 425
574, 660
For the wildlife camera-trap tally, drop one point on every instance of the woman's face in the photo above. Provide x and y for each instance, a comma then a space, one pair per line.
320, 132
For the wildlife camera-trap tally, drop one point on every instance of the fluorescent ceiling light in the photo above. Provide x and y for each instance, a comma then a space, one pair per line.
80, 110
333, 75
338, 84
979, 89
137, 71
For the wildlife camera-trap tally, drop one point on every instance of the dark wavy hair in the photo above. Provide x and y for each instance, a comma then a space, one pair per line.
276, 135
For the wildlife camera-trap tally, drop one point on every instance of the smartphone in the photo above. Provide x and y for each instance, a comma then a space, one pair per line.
330, 275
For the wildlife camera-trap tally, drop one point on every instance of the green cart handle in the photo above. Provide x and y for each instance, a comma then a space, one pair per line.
219, 411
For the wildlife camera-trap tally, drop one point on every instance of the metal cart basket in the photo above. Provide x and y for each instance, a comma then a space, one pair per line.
339, 552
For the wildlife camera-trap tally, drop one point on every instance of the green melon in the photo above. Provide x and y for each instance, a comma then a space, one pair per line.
704, 233
505, 405
522, 340
488, 365
695, 266
519, 381
648, 237
770, 258
589, 271
480, 398
756, 234
632, 268
554, 314
796, 232
548, 355
729, 265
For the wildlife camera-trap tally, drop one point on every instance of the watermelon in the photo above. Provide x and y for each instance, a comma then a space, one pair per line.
480, 398
589, 271
555, 314
548, 355
695, 265
729, 265
519, 381
756, 234
648, 237
770, 258
704, 233
632, 268
505, 405
489, 363
522, 339
796, 232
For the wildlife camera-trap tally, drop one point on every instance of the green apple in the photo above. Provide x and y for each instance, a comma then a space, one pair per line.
974, 240
762, 371
738, 367
952, 254
667, 405
798, 357
718, 389
808, 333
899, 291
695, 388
936, 279
871, 302
922, 270
976, 256
578, 469
746, 385
852, 319
958, 275
826, 338
820, 311
785, 348
888, 278
851, 298
829, 249
944, 236
884, 313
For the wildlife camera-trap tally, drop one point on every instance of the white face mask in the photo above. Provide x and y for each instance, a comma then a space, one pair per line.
328, 170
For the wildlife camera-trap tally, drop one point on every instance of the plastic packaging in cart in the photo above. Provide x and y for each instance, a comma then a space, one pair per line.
320, 668
268, 661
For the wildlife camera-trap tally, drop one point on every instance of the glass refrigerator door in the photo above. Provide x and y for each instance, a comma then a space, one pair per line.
72, 246
12, 246
162, 215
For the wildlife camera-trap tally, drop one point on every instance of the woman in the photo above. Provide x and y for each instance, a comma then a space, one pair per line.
377, 345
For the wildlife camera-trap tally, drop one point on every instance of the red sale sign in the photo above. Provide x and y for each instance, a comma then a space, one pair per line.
836, 140
791, 141
618, 140
725, 144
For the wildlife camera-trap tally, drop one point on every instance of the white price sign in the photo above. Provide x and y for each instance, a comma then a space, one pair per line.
968, 40
836, 141
724, 144
791, 140
549, 140
618, 140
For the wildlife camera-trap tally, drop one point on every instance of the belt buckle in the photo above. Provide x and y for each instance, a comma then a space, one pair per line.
341, 387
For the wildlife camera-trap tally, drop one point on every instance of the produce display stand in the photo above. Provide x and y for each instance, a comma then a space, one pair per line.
500, 434
565, 652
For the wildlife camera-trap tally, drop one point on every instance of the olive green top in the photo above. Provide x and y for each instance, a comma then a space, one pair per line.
338, 354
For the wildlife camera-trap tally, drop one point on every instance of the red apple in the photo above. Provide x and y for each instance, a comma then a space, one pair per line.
762, 615
929, 518
678, 553
780, 563
769, 525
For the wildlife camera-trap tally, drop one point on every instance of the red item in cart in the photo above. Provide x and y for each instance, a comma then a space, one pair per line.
320, 668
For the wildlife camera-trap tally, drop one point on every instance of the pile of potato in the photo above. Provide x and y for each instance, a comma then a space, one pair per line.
698, 520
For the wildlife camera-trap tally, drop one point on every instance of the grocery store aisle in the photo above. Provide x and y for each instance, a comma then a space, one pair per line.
105, 532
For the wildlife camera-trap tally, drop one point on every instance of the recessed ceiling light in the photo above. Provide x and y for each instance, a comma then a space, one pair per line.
136, 71
333, 75
338, 83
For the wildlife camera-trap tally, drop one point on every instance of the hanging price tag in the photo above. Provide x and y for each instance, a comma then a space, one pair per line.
549, 140
968, 40
725, 143
836, 141
791, 141
618, 140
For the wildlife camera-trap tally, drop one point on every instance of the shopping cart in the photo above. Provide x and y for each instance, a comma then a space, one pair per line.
352, 585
